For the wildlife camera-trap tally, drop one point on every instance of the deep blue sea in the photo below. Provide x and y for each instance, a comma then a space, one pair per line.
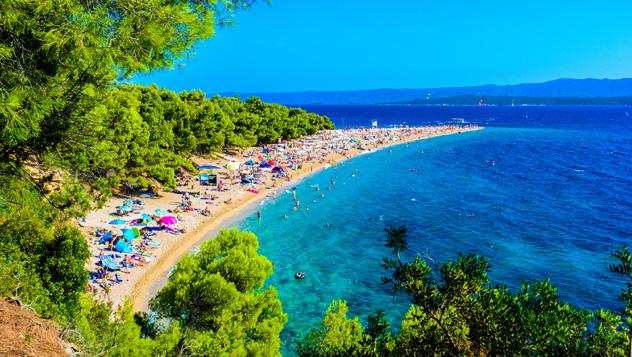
542, 192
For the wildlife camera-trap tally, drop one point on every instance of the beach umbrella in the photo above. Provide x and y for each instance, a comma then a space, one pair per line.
249, 162
160, 212
124, 208
117, 221
128, 234
128, 202
169, 220
210, 167
146, 217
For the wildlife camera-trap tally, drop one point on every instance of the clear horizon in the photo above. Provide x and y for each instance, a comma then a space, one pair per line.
308, 45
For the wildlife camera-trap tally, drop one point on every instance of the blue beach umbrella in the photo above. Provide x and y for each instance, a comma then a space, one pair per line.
146, 217
117, 221
129, 234
128, 202
124, 208
211, 167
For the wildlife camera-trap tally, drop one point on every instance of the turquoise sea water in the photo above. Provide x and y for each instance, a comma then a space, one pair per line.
545, 201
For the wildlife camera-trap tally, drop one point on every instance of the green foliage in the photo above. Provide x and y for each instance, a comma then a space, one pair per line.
455, 311
215, 298
623, 267
397, 239
335, 336
59, 58
145, 133
101, 334
41, 257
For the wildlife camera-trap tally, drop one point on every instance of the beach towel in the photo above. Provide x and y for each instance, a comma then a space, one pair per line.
154, 228
108, 262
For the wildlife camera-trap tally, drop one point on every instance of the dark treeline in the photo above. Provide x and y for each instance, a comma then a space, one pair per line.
144, 133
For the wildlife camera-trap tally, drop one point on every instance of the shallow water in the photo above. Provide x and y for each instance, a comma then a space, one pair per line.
540, 201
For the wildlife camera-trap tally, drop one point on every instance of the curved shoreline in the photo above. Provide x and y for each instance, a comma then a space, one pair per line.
152, 279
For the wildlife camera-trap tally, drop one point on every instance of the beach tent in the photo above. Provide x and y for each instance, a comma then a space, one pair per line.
117, 221
123, 247
233, 165
130, 233
203, 179
168, 220
210, 167
105, 238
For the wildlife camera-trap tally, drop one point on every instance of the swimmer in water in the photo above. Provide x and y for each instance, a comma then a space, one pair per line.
322, 195
285, 216
259, 215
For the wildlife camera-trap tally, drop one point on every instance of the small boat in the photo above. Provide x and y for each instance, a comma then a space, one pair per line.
300, 275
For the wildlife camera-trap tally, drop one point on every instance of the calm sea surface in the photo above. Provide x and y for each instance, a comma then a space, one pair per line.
542, 192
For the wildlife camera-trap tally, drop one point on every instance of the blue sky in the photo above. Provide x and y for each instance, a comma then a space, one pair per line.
294, 45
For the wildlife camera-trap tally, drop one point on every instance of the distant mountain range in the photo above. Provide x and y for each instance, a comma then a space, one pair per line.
569, 91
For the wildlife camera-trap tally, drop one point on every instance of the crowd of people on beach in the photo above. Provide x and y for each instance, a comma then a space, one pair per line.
119, 251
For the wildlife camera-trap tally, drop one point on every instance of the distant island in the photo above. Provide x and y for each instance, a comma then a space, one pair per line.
556, 92
513, 101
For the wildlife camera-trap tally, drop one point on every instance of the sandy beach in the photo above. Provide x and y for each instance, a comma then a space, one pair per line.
208, 209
